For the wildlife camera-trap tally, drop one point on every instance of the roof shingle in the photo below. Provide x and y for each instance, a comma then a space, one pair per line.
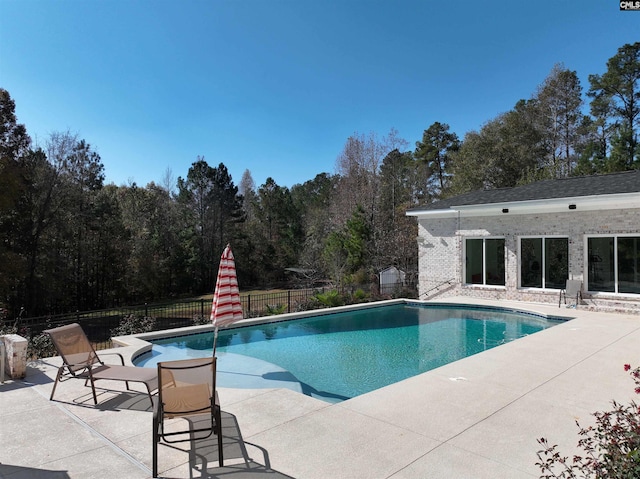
576, 186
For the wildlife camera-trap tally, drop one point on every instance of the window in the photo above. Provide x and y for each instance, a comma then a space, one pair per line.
544, 262
484, 262
613, 264
629, 265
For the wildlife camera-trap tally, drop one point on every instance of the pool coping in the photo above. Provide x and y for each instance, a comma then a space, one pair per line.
477, 418
135, 345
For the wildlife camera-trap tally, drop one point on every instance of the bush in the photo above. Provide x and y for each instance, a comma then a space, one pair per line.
201, 319
612, 446
133, 324
7, 329
38, 346
307, 305
360, 296
41, 346
330, 299
273, 309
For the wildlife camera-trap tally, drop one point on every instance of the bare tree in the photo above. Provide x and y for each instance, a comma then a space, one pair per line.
169, 181
559, 100
247, 188
358, 165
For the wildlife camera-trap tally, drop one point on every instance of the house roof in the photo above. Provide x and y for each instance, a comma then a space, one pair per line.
390, 268
300, 270
615, 189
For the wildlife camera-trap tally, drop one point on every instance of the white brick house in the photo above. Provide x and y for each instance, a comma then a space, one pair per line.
523, 243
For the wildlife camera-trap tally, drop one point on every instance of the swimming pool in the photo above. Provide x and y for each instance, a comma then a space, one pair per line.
342, 355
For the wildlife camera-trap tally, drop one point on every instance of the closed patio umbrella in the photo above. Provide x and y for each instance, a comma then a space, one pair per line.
226, 307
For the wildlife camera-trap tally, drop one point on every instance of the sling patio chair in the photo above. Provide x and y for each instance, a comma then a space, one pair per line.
81, 361
572, 289
187, 398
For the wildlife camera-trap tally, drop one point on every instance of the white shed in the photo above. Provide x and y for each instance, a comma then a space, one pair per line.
391, 278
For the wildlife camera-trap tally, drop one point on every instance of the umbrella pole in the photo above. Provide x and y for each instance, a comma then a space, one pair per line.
215, 339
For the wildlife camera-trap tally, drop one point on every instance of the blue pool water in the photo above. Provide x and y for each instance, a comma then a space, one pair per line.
341, 355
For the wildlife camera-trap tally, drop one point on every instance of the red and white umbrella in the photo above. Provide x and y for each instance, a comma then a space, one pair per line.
226, 307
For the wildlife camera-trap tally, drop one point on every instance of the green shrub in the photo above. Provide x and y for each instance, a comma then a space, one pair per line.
7, 329
41, 346
612, 446
330, 299
308, 305
359, 296
133, 324
201, 319
360, 277
38, 346
273, 309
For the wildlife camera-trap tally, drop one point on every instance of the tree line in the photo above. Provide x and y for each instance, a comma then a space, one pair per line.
68, 241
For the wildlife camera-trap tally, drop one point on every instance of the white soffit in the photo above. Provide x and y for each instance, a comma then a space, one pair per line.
554, 205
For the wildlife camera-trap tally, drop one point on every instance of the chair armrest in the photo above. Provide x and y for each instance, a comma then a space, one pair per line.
114, 354
156, 410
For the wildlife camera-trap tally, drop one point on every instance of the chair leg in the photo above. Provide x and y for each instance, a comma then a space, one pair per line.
149, 393
93, 387
560, 299
55, 384
156, 439
219, 434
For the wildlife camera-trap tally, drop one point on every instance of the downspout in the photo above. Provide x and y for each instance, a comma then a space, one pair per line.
461, 255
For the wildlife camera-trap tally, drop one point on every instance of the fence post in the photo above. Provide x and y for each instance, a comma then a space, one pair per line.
202, 307
146, 310
288, 301
249, 304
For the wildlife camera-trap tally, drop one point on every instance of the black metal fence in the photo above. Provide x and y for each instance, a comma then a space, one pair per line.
100, 325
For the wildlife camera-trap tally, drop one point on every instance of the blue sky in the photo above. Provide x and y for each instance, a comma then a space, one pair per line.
277, 86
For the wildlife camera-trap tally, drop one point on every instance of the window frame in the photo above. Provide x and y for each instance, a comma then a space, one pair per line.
616, 274
484, 261
543, 265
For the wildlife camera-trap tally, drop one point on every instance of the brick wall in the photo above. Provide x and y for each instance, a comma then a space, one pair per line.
15, 355
440, 243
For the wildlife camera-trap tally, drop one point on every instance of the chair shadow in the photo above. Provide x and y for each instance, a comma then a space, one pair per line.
7, 470
131, 400
119, 400
238, 462
306, 389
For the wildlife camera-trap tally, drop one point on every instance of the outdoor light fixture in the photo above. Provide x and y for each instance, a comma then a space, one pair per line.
505, 210
572, 207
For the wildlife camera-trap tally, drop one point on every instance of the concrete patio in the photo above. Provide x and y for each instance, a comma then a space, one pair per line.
475, 418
